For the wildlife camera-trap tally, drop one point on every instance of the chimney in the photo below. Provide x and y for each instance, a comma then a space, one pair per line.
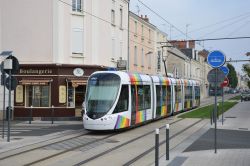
146, 18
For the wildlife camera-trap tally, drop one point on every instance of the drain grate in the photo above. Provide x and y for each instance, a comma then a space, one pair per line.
16, 138
243, 128
231, 117
112, 141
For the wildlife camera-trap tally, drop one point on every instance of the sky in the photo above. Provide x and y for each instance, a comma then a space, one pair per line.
202, 19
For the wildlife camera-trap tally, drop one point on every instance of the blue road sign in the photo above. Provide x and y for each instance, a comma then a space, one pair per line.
225, 70
216, 59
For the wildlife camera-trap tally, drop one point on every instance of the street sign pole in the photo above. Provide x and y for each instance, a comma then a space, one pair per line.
4, 84
9, 110
215, 113
222, 107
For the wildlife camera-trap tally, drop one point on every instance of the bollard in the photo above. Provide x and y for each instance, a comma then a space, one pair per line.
156, 147
52, 115
31, 107
167, 141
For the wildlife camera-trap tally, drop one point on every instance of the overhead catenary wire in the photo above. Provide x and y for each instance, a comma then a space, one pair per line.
224, 26
238, 28
197, 40
109, 22
217, 23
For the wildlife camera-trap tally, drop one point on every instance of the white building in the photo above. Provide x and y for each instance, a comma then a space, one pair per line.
52, 38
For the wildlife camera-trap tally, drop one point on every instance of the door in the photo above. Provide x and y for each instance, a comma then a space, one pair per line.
133, 104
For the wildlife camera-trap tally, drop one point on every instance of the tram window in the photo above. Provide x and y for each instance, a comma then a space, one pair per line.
144, 97
158, 95
140, 93
190, 92
178, 94
147, 97
161, 95
197, 92
122, 104
168, 95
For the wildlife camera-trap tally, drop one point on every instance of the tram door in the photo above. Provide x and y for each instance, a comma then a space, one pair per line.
133, 104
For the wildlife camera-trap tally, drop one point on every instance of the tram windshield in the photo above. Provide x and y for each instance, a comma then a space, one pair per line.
102, 90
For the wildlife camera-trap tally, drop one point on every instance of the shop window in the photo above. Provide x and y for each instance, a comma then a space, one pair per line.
71, 96
38, 96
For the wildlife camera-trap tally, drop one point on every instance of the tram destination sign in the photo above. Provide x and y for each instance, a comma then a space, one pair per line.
211, 77
216, 59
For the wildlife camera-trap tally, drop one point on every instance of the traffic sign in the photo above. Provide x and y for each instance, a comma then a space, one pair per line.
15, 65
225, 70
211, 77
225, 82
216, 59
13, 83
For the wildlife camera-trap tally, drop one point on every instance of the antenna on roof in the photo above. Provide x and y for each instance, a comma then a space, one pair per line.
138, 9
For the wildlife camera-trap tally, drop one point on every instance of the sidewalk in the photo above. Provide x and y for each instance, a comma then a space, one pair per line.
22, 133
233, 142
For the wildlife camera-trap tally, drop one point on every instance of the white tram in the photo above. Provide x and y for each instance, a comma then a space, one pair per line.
117, 100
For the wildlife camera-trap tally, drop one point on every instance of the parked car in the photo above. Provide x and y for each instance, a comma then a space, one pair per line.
245, 95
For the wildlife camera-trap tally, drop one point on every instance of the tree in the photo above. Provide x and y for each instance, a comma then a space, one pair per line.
232, 76
246, 69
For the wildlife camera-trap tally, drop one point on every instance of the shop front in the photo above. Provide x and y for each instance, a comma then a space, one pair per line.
51, 90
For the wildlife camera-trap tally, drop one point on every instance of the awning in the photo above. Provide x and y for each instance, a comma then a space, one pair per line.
76, 82
35, 82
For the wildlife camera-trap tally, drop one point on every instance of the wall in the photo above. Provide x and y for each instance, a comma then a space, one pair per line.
99, 34
27, 29
146, 60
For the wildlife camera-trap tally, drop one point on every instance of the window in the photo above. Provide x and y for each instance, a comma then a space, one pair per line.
113, 49
71, 96
144, 97
142, 57
177, 94
142, 32
113, 17
77, 5
122, 104
169, 99
121, 17
149, 61
149, 35
136, 27
135, 55
77, 41
38, 96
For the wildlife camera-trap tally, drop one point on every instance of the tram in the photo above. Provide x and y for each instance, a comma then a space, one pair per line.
118, 100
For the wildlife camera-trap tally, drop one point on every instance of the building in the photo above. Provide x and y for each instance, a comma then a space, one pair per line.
142, 56
161, 52
199, 67
59, 43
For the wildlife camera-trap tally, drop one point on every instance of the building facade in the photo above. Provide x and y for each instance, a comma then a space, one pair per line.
59, 43
142, 56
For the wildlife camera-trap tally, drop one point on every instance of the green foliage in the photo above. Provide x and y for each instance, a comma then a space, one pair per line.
232, 76
205, 112
246, 69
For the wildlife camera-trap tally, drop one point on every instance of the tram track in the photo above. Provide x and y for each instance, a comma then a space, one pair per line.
121, 145
89, 143
39, 147
160, 144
